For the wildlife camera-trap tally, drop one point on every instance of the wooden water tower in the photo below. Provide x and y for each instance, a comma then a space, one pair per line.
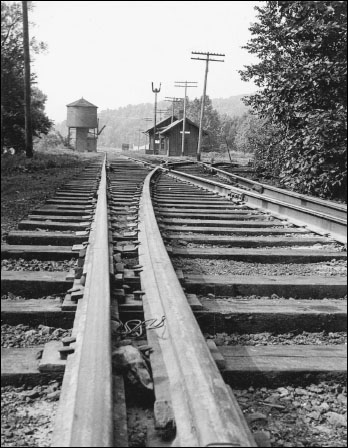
82, 125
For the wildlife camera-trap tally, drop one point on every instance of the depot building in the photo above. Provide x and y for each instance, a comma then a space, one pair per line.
169, 138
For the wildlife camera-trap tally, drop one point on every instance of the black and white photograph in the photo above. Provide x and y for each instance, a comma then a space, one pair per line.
174, 223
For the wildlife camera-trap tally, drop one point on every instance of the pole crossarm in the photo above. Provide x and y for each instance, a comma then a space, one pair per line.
208, 53
202, 59
173, 99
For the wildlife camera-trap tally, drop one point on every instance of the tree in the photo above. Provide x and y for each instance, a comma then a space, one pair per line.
301, 46
12, 81
211, 121
230, 127
259, 136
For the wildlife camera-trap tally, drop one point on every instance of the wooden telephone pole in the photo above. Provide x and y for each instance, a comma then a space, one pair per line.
207, 59
184, 84
27, 93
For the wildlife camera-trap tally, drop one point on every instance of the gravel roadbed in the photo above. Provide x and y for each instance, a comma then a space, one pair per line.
19, 264
223, 300
221, 267
54, 297
27, 415
291, 338
19, 336
310, 416
328, 247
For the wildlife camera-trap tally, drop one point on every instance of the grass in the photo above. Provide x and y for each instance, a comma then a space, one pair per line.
56, 158
237, 157
27, 183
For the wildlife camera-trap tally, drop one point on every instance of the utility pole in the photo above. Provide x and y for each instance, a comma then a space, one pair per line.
173, 100
155, 91
207, 59
184, 84
27, 94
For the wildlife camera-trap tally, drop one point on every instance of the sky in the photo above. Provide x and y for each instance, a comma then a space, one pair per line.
109, 52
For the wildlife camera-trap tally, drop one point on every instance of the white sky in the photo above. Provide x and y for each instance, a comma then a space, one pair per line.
109, 52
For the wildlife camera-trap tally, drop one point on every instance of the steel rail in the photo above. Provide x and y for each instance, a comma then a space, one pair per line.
315, 221
302, 215
205, 411
312, 203
84, 416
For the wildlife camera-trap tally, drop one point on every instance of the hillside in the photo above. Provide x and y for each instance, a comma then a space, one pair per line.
123, 124
232, 106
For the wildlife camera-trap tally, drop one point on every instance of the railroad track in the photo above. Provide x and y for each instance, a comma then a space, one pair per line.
183, 268
322, 215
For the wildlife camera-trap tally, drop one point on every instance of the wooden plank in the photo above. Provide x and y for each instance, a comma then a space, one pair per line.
35, 312
247, 242
69, 201
228, 315
38, 252
19, 360
194, 303
60, 218
260, 255
284, 286
34, 283
61, 211
216, 354
50, 361
215, 205
232, 230
319, 355
28, 224
20, 366
214, 216
169, 200
41, 237
228, 210
276, 365
222, 223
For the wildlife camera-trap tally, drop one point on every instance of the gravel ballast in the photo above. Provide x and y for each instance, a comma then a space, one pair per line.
58, 298
291, 338
27, 415
310, 416
19, 336
19, 264
221, 267
325, 247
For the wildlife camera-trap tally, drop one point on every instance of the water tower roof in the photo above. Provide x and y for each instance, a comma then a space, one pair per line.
81, 103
